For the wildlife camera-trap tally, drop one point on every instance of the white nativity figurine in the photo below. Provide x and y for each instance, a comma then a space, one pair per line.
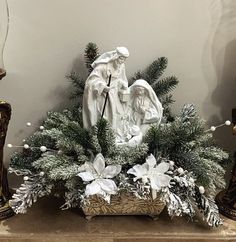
145, 107
100, 177
152, 174
96, 88
129, 110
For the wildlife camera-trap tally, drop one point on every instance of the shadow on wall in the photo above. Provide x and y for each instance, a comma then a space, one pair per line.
78, 66
223, 57
60, 95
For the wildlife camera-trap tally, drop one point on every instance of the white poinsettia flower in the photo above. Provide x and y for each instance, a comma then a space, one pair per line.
100, 177
152, 173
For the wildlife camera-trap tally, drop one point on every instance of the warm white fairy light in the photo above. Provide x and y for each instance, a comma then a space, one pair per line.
213, 128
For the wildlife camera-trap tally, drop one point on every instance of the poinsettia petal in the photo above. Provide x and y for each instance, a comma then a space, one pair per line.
163, 167
145, 167
164, 180
154, 183
159, 181
86, 176
99, 163
107, 186
138, 170
151, 161
87, 166
111, 171
93, 188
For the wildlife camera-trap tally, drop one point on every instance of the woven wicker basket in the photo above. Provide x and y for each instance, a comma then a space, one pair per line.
123, 204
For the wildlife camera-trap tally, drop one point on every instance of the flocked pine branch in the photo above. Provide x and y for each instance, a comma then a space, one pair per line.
209, 209
34, 187
125, 155
182, 141
73, 194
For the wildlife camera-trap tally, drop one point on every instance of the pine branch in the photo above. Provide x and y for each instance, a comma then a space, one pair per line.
208, 208
50, 161
106, 138
24, 159
90, 55
213, 153
137, 75
78, 84
152, 73
28, 193
56, 119
166, 101
73, 194
155, 70
64, 172
165, 85
128, 155
75, 132
95, 139
152, 138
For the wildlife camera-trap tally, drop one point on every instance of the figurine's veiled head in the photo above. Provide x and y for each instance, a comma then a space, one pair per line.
141, 88
139, 91
119, 55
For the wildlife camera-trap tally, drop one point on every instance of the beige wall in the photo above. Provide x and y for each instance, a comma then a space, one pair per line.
47, 38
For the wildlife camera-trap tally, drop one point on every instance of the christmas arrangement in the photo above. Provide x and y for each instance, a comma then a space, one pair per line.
120, 150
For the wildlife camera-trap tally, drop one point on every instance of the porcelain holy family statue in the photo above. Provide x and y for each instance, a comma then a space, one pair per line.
129, 109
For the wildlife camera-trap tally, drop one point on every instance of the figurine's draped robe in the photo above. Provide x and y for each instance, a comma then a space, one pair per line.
147, 109
94, 96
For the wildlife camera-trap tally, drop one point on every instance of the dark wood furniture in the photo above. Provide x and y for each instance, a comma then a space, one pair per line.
5, 115
226, 200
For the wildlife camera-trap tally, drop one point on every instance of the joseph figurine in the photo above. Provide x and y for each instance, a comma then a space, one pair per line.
97, 88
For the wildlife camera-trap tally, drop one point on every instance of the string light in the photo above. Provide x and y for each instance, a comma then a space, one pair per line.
213, 128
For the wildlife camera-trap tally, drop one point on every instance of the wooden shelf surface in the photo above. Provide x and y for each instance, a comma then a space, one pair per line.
46, 222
